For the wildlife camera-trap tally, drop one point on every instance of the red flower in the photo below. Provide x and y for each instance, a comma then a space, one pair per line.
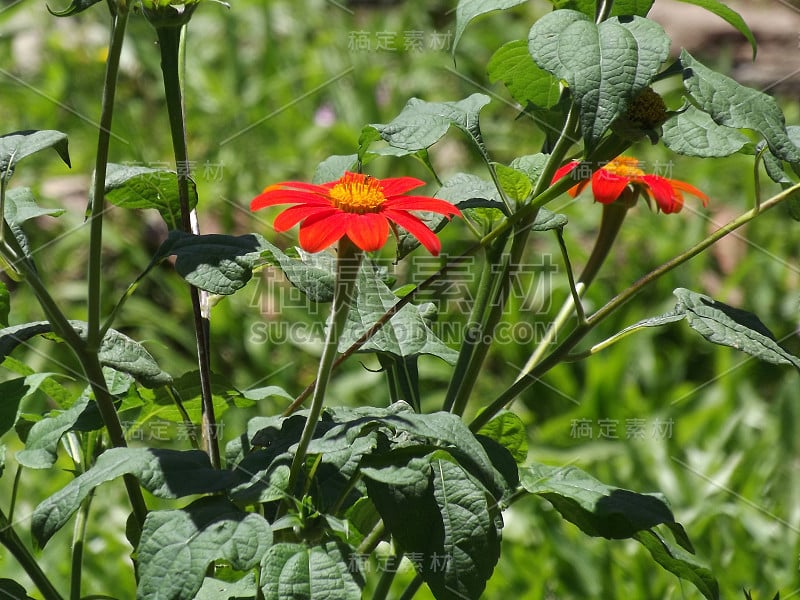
610, 181
358, 206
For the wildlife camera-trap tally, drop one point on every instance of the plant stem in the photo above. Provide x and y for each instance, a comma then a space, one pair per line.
412, 588
562, 351
169, 39
10, 539
347, 263
78, 541
385, 581
98, 204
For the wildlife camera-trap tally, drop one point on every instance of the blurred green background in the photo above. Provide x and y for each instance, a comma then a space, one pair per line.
275, 87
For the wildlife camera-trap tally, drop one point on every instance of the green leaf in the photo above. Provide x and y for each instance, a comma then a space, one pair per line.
508, 430
5, 304
526, 81
694, 133
41, 445
472, 193
734, 105
421, 124
216, 263
516, 184
117, 351
604, 65
21, 206
728, 326
16, 146
313, 274
531, 164
333, 167
598, 509
405, 335
143, 187
216, 589
680, 563
730, 15
12, 392
74, 8
297, 571
470, 9
163, 473
439, 514
177, 546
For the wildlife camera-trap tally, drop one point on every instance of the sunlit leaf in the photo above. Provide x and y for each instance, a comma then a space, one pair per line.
470, 9
731, 104
605, 65
526, 81
728, 326
74, 8
137, 187
694, 133
508, 430
177, 546
16, 146
293, 571
21, 206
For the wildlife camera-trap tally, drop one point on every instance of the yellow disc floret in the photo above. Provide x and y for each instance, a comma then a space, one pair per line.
357, 193
624, 166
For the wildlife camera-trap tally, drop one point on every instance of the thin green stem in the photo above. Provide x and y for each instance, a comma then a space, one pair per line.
97, 207
573, 287
78, 543
373, 538
604, 10
12, 542
347, 263
560, 353
169, 39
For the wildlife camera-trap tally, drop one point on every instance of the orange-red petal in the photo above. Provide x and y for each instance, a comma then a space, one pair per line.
607, 187
416, 228
394, 186
424, 203
368, 231
668, 199
294, 214
319, 232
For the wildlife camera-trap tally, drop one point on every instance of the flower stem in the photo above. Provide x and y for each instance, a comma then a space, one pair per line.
347, 263
169, 39
561, 353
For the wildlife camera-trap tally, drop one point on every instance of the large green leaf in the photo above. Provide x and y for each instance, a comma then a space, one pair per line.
440, 515
117, 350
216, 263
313, 274
734, 105
144, 187
694, 133
605, 65
470, 9
177, 546
728, 326
215, 589
11, 589
730, 15
300, 572
333, 167
526, 81
21, 206
406, 334
421, 124
599, 509
164, 473
16, 146
680, 563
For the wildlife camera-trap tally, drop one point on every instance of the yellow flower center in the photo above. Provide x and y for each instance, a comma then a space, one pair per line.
624, 166
357, 193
